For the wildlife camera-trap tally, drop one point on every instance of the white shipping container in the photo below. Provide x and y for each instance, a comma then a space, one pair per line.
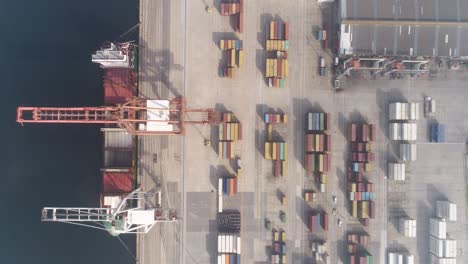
220, 187
438, 228
229, 248
400, 259
322, 187
223, 243
309, 123
234, 245
447, 210
238, 245
409, 259
436, 246
404, 111
228, 132
450, 248
351, 196
437, 260
414, 113
220, 244
223, 260
220, 204
392, 258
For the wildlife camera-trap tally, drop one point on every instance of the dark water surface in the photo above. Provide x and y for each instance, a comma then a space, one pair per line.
45, 60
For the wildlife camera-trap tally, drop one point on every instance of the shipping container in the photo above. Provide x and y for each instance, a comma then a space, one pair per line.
438, 228
446, 210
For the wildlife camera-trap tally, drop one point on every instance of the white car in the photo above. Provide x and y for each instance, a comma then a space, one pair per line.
334, 199
339, 222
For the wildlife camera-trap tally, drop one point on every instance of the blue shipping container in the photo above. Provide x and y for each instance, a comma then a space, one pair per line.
355, 167
441, 133
267, 118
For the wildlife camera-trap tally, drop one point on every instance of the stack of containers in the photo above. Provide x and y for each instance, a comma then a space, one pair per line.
310, 196
277, 69
230, 130
361, 193
318, 146
228, 186
271, 118
319, 253
443, 249
229, 248
278, 252
318, 221
446, 210
228, 9
234, 8
407, 152
278, 152
355, 241
361, 258
401, 116
408, 227
235, 56
396, 171
403, 131
275, 150
397, 258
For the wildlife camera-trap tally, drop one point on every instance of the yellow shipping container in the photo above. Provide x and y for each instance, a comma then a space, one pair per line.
233, 131
275, 235
306, 196
233, 57
275, 67
285, 151
221, 44
285, 168
285, 118
221, 132
220, 150
278, 118
367, 167
317, 142
364, 209
232, 150
352, 187
268, 44
272, 29
354, 208
267, 68
240, 58
283, 259
283, 236
285, 68
267, 150
274, 150
324, 178
269, 131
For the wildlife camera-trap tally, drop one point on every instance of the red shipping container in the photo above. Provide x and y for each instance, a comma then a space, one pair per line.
276, 30
277, 167
328, 158
328, 142
119, 85
321, 145
240, 26
352, 132
372, 133
352, 259
239, 131
228, 152
286, 31
325, 221
117, 182
369, 187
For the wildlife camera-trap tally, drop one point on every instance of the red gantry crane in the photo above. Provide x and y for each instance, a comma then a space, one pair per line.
139, 116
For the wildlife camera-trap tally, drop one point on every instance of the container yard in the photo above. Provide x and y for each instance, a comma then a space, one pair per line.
235, 56
177, 49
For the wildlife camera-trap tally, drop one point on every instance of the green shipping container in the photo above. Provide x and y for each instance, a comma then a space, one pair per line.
282, 151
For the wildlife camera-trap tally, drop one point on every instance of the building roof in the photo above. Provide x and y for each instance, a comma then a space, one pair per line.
404, 28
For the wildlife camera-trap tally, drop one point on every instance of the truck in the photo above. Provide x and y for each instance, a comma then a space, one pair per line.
322, 67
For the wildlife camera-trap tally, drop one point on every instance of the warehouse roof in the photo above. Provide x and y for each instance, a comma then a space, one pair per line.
411, 28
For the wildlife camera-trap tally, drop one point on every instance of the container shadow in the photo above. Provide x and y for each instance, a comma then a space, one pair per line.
300, 108
212, 241
217, 36
304, 214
